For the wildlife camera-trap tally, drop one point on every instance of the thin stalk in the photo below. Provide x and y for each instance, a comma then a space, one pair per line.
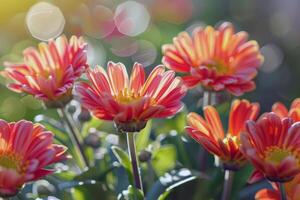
206, 100
73, 136
134, 161
228, 180
282, 191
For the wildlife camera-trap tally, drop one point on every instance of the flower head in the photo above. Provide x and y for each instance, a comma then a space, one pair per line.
25, 150
282, 111
49, 72
218, 59
209, 132
292, 189
272, 145
131, 101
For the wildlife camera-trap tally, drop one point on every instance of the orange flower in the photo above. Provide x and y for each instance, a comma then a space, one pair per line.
25, 150
130, 102
218, 59
282, 111
292, 189
209, 132
272, 146
49, 73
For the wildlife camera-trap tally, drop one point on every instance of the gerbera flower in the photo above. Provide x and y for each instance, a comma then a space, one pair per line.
282, 111
49, 72
130, 102
25, 150
272, 145
209, 132
218, 59
292, 189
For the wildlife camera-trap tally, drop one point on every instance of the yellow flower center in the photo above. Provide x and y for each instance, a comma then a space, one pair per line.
126, 96
276, 154
9, 160
220, 66
234, 138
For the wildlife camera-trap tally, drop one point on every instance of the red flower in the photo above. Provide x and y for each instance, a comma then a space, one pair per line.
272, 145
49, 73
209, 132
218, 59
112, 95
282, 111
292, 189
25, 150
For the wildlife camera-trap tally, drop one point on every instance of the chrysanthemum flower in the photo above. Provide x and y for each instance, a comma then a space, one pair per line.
49, 72
282, 111
272, 145
218, 59
130, 102
292, 189
25, 150
209, 132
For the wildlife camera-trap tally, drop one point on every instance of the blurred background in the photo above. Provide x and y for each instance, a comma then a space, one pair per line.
134, 31
130, 31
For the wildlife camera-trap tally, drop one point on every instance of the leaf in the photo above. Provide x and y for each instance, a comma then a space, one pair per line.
142, 138
124, 160
164, 159
92, 192
96, 173
131, 193
171, 180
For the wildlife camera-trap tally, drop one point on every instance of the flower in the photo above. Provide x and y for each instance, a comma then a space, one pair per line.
130, 102
282, 111
209, 132
25, 150
49, 73
292, 189
272, 145
218, 59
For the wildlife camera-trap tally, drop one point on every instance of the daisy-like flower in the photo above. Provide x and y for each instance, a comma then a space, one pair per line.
209, 132
282, 111
272, 145
292, 189
218, 59
130, 102
25, 150
49, 72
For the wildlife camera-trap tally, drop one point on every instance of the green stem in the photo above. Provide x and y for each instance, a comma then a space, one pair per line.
282, 191
134, 161
73, 136
228, 180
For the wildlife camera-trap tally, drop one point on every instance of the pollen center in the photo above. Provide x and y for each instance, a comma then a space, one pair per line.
276, 155
219, 65
9, 160
125, 96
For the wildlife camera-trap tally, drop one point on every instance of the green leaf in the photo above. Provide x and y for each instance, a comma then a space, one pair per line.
124, 160
131, 193
142, 137
171, 180
164, 159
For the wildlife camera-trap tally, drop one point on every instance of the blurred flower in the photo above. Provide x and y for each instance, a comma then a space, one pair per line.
218, 59
49, 73
25, 150
282, 111
209, 132
272, 145
292, 189
130, 102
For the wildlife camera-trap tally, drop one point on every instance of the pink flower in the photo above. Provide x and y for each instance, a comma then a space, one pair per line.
131, 101
25, 150
218, 59
49, 73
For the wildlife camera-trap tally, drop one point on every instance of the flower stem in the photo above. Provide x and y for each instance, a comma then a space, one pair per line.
228, 180
207, 98
134, 162
282, 191
73, 136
